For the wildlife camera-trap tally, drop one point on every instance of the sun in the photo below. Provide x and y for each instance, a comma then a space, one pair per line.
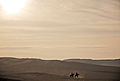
12, 6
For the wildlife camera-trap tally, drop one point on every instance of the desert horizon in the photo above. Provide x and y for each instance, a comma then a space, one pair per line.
59, 40
60, 59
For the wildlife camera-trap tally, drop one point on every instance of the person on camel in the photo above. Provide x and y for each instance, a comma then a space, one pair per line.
72, 74
76, 75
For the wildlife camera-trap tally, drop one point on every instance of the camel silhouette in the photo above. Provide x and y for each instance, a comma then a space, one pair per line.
76, 75
71, 74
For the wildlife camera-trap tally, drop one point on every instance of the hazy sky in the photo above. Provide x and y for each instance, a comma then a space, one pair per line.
58, 29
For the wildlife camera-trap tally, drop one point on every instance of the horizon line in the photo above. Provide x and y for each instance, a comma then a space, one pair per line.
61, 59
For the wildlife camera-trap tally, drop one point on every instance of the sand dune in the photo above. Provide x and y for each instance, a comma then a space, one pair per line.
54, 70
115, 62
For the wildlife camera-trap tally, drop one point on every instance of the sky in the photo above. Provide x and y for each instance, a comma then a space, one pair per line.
60, 29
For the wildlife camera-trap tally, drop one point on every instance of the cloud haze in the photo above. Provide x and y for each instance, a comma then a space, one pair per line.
58, 29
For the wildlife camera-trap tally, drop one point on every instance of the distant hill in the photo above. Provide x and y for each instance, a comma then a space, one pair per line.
114, 62
34, 67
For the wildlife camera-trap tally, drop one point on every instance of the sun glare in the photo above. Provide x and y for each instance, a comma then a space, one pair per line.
12, 6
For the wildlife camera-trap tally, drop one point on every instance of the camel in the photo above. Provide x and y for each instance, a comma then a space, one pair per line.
72, 75
76, 75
